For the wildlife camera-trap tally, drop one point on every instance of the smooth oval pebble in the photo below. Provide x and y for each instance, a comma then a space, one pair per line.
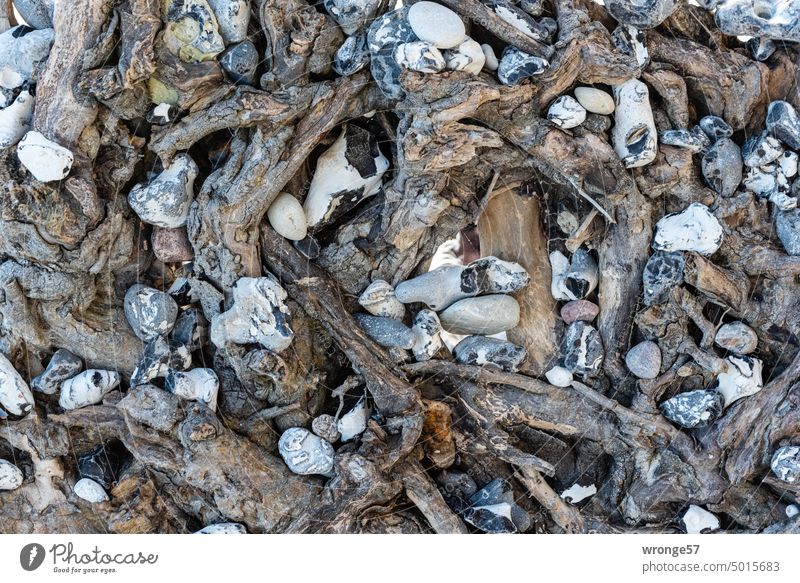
559, 376
87, 388
305, 453
436, 24
644, 360
10, 476
482, 315
737, 337
492, 61
150, 312
90, 491
287, 217
223, 528
579, 311
379, 300
595, 100
45, 159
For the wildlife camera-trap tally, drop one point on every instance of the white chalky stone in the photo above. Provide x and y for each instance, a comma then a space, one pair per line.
10, 476
287, 217
46, 160
90, 491
436, 24
595, 100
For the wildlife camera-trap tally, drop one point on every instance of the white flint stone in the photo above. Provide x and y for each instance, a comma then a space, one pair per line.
89, 490
15, 120
792, 510
468, 57
165, 201
694, 229
559, 376
436, 24
258, 315
566, 113
761, 149
559, 267
15, 395
306, 453
774, 19
582, 277
420, 56
150, 312
198, 384
287, 217
21, 54
761, 180
741, 378
788, 164
354, 422
630, 40
223, 528
697, 520
379, 300
595, 100
634, 133
785, 463
45, 159
87, 388
233, 16
492, 62
482, 315
427, 335
576, 493
11, 476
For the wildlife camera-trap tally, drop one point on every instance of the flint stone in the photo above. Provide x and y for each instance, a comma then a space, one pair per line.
438, 288
715, 127
101, 464
352, 56
36, 13
490, 275
492, 63
45, 159
786, 463
493, 509
223, 528
582, 349
15, 120
468, 57
634, 134
427, 335
787, 226
379, 300
630, 41
695, 139
22, 51
741, 378
644, 360
386, 331
788, 163
722, 167
761, 149
62, 366
11, 476
165, 201
697, 520
191, 33
579, 311
582, 277
436, 24
693, 408
15, 395
774, 20
662, 272
641, 13
306, 453
384, 34
150, 313
783, 121
171, 245
190, 329
566, 113
595, 100
87, 388
516, 65
737, 337
158, 358
232, 16
420, 56
490, 352
240, 62
162, 114
198, 384
761, 48
558, 376
541, 31
352, 15
354, 422
482, 315
693, 229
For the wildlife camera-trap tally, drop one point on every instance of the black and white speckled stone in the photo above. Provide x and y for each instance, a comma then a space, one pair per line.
420, 56
11, 477
482, 315
62, 366
197, 384
352, 56
695, 139
191, 329
784, 123
22, 52
158, 358
36, 13
566, 113
166, 199
644, 360
541, 31
87, 388
787, 226
715, 127
582, 277
232, 16
352, 15
150, 312
630, 41
223, 528
722, 167
325, 427
762, 48
693, 229
786, 463
761, 149
469, 57
516, 65
641, 13
491, 275
101, 464
634, 133
737, 337
162, 114
492, 509
490, 352
788, 163
662, 272
383, 35
427, 335
693, 408
582, 349
386, 331
306, 453
240, 62
775, 20
15, 395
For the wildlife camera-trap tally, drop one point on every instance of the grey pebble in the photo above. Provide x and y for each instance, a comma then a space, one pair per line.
722, 166
150, 313
737, 337
240, 62
386, 331
491, 352
787, 225
644, 360
783, 122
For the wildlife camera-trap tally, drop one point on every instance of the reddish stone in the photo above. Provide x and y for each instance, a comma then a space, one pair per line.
579, 311
171, 245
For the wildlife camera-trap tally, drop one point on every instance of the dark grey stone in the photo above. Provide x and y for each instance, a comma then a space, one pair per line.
722, 166
490, 507
352, 56
761, 47
62, 366
695, 139
641, 13
101, 464
150, 313
386, 331
36, 13
693, 409
352, 15
516, 65
240, 62
383, 36
787, 225
715, 127
662, 272
158, 357
582, 349
491, 352
191, 329
783, 123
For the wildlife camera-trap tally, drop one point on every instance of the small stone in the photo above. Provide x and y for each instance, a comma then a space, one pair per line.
11, 476
150, 313
490, 352
792, 510
761, 149
306, 453
15, 395
579, 311
352, 56
492, 63
153, 407
36, 13
695, 139
787, 226
662, 272
491, 275
162, 114
784, 123
582, 277
232, 16
352, 15
737, 337
240, 62
566, 113
427, 335
438, 288
23, 51
165, 201
354, 422
259, 315
15, 120
693, 229
171, 245
387, 332
788, 163
325, 427
597, 124
559, 266
191, 33
762, 181
384, 34
516, 65
379, 300
697, 520
775, 20
558, 376
46, 160
715, 127
87, 388
595, 100
287, 217
468, 57
493, 509
786, 463
198, 384
223, 528
693, 408
158, 358
62, 366
742, 378
577, 493
436, 24
101, 465
348, 172
630, 41
722, 167
644, 360
455, 483
761, 47
582, 349
540, 31
634, 133
641, 13
482, 315
420, 56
